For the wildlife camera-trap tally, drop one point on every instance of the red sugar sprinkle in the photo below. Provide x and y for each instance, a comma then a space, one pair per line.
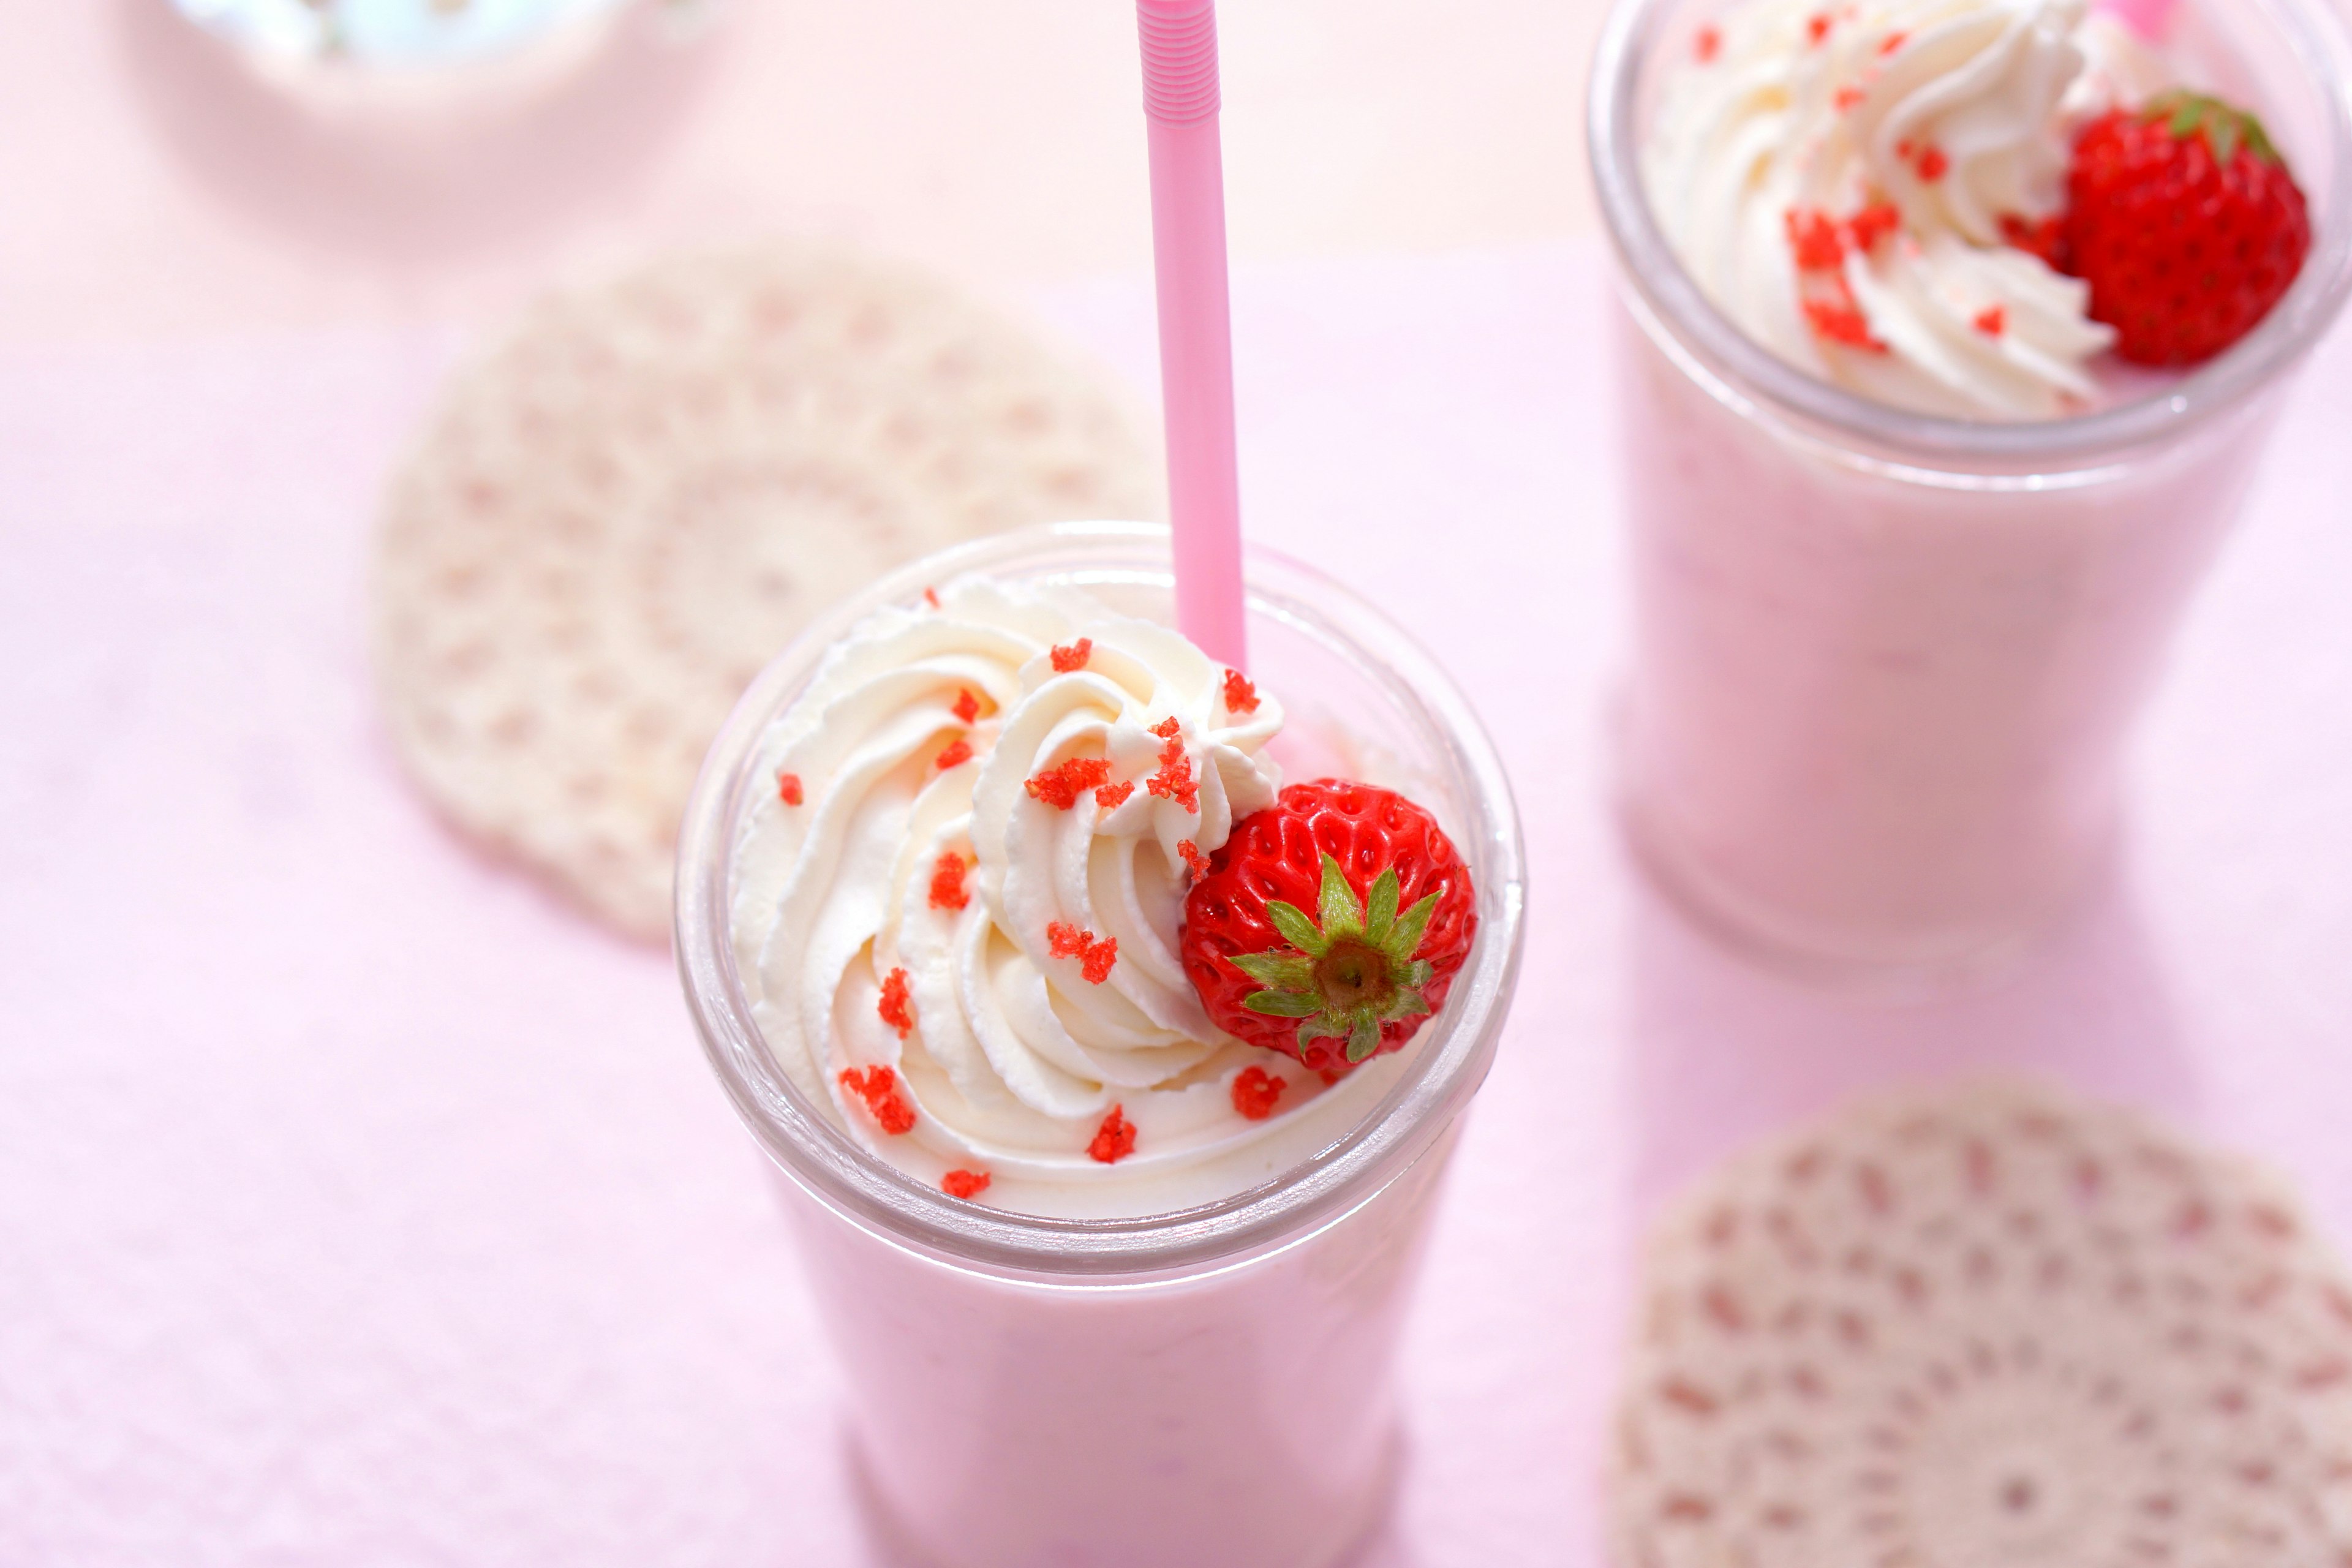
931, 597
1241, 696
1115, 1139
1893, 42
1060, 787
947, 882
1842, 324
1095, 955
1817, 26
964, 1183
1903, 150
1167, 729
967, 706
1074, 657
879, 1086
958, 750
1708, 43
1192, 856
1847, 97
1254, 1092
897, 1008
1933, 164
2044, 238
1816, 241
1874, 223
788, 788
1113, 795
1175, 780
1991, 320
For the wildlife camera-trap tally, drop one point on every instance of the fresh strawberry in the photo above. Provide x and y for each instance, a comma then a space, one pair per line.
2186, 225
1393, 920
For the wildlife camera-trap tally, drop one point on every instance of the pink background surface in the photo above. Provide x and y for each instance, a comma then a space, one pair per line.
145, 188
359, 1203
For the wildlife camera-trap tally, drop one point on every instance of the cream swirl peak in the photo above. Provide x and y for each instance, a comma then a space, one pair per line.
971, 874
1858, 186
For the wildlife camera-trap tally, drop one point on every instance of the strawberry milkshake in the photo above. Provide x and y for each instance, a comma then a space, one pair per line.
1113, 1070
1956, 328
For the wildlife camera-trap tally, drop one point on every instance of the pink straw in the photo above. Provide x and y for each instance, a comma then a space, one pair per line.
1196, 343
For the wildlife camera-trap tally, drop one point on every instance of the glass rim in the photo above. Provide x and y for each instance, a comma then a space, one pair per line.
877, 1195
1712, 349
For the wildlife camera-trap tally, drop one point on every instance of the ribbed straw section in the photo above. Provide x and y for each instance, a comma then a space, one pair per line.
1180, 59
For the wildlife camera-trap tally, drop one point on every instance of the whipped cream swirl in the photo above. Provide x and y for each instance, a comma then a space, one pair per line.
919, 846
1848, 183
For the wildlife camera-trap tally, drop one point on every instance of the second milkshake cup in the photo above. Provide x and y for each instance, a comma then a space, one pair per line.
1206, 1381
1884, 662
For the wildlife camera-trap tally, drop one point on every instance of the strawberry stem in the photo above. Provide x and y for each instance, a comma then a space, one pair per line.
1349, 970
2225, 126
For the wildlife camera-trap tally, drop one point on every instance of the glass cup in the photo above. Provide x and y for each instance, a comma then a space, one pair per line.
1883, 664
391, 33
1211, 1385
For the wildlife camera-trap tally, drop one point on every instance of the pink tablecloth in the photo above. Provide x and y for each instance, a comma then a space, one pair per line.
358, 1205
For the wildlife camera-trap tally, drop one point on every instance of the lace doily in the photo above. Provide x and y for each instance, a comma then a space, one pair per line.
619, 514
1989, 1327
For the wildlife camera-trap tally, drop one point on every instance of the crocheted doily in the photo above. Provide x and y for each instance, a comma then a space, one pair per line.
1989, 1327
619, 514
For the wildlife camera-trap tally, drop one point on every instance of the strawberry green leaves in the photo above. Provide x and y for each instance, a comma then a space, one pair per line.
1346, 961
2187, 113
1352, 967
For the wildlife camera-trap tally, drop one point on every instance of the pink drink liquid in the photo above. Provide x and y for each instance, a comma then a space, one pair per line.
1245, 1417
1878, 719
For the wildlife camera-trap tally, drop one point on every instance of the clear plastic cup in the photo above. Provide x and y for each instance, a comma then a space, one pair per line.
1212, 1385
1883, 664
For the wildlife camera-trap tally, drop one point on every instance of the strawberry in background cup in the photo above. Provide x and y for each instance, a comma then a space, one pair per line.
1909, 532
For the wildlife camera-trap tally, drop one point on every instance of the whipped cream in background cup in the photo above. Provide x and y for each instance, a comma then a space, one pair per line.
1884, 660
1213, 1383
